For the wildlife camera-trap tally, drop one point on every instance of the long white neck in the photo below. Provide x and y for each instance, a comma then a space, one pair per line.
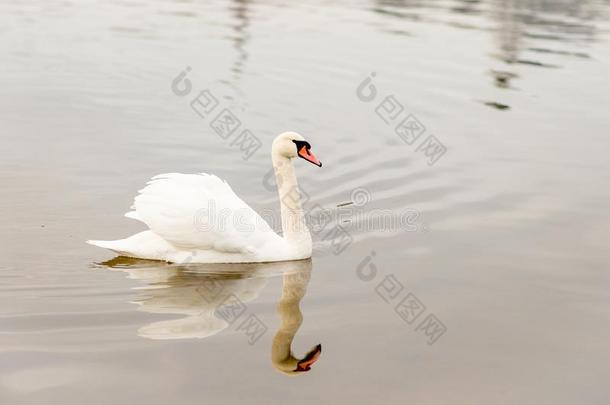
294, 227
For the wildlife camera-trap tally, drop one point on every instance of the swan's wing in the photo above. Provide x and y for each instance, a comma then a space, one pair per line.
200, 211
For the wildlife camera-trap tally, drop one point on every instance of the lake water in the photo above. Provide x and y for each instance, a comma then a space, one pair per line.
466, 174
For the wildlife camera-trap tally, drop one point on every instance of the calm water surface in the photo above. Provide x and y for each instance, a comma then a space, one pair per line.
504, 248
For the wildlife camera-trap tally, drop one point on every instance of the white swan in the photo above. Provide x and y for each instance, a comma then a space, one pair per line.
198, 218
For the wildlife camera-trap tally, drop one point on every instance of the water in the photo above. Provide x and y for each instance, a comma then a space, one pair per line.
504, 238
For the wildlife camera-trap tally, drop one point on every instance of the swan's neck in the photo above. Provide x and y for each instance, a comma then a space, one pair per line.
294, 227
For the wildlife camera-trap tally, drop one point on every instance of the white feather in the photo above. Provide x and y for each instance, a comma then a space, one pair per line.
194, 217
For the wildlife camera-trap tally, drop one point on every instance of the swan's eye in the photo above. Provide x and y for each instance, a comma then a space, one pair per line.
300, 145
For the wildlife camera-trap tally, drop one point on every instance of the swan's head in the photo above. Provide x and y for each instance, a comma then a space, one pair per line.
293, 366
291, 145
310, 358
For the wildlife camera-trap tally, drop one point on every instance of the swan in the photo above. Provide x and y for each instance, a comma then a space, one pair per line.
197, 218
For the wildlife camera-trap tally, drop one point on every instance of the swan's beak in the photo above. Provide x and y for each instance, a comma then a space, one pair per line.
309, 359
310, 157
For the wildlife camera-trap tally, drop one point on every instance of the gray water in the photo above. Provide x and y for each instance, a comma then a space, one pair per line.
489, 214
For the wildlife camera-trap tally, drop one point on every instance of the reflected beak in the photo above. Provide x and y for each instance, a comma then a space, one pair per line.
310, 157
310, 358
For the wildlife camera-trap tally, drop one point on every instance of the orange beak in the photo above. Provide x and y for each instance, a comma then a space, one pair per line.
310, 157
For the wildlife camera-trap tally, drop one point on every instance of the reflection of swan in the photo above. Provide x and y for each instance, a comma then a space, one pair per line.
240, 11
198, 218
294, 288
198, 290
195, 291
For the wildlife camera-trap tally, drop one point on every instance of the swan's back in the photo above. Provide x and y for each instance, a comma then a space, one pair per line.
199, 211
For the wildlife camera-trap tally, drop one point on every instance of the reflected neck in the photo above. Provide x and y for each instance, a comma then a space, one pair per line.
294, 288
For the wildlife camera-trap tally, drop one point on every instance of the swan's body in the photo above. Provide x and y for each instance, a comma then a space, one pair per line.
198, 218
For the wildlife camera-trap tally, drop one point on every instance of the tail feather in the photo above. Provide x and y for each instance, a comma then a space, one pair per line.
143, 245
133, 215
114, 245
